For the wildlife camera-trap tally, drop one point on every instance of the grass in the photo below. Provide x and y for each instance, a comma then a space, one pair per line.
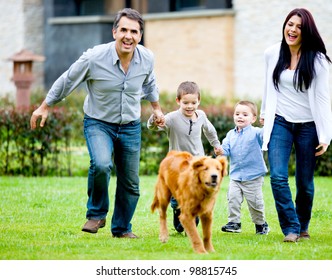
41, 219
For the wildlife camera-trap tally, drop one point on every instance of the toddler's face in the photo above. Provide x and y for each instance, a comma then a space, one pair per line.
243, 116
188, 104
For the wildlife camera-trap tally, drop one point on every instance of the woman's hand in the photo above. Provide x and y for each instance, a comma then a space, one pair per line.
322, 148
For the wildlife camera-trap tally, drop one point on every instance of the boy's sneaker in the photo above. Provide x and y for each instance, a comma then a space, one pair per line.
262, 229
176, 222
232, 227
197, 221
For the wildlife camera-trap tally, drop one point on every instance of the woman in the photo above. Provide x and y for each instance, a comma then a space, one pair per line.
296, 110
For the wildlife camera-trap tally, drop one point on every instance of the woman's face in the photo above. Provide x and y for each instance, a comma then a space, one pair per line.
292, 32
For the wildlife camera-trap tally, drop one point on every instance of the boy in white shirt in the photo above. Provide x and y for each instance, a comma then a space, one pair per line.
184, 130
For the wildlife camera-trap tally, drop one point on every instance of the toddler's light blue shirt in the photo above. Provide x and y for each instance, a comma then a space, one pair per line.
244, 149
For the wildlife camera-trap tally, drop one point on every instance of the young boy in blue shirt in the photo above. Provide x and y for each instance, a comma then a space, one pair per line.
247, 168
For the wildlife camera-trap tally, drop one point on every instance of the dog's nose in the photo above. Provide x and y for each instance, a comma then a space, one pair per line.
214, 177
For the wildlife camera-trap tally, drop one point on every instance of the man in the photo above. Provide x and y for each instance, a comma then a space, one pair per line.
117, 75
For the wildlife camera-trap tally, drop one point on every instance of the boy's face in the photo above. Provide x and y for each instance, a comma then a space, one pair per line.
188, 104
243, 116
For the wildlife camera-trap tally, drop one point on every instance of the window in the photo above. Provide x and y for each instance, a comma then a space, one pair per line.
181, 5
90, 7
63, 8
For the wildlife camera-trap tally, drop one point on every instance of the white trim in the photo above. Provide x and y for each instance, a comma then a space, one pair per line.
81, 19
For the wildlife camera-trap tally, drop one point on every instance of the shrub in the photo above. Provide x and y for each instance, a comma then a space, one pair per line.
38, 152
48, 151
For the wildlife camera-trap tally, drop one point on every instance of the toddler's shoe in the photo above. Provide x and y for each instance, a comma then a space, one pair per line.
262, 229
232, 227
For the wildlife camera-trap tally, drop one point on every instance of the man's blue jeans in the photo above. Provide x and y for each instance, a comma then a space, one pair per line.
293, 219
121, 144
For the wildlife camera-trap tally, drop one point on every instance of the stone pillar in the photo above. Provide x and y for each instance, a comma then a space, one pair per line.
23, 76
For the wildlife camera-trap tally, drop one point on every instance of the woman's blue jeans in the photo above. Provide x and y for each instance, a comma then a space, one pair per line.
121, 144
303, 136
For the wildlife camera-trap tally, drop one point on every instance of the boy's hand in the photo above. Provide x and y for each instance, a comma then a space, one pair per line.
218, 151
158, 118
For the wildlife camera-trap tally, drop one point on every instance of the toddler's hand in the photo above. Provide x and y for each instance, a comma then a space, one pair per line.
218, 151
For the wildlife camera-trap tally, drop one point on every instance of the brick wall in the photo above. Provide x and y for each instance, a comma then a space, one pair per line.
192, 46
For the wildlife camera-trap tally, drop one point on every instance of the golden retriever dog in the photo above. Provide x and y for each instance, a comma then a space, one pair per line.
194, 182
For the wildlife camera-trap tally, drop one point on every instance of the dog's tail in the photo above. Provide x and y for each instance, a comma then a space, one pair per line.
155, 204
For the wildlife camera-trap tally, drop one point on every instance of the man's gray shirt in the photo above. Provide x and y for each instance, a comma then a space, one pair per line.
113, 95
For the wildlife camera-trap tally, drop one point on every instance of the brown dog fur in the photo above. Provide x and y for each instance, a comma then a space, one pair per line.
194, 182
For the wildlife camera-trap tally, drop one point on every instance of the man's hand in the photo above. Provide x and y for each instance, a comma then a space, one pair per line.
158, 118
40, 112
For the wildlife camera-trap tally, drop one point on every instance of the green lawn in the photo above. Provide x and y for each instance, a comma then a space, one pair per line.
41, 219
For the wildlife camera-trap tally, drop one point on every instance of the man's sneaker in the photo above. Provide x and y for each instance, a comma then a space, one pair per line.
262, 229
92, 226
176, 222
232, 227
291, 237
304, 235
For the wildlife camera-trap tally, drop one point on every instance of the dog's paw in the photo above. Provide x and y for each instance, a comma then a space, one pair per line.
200, 251
209, 248
163, 238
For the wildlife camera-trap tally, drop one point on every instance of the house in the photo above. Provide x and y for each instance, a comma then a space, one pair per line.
217, 43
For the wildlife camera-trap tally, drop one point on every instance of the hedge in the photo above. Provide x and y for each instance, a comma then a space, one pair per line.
47, 151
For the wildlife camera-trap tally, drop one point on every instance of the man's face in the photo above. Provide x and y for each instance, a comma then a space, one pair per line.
127, 35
